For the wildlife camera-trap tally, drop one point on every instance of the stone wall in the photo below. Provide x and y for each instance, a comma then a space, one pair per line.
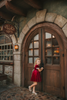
53, 6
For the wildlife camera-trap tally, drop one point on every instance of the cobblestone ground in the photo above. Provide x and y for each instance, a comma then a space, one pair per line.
19, 93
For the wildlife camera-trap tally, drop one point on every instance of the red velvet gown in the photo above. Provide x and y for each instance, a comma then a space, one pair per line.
36, 75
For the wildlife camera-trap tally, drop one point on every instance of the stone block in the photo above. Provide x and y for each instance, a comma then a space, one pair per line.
21, 37
50, 17
13, 38
17, 57
16, 53
32, 22
65, 30
25, 29
60, 21
17, 79
40, 16
17, 67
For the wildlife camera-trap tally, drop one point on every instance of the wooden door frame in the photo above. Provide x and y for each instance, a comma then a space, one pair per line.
29, 35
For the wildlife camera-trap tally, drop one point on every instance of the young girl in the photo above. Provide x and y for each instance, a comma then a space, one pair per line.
36, 75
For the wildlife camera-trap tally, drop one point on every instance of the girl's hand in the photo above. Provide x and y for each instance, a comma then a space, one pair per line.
42, 68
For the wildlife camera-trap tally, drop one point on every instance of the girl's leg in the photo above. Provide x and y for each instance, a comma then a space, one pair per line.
34, 84
33, 88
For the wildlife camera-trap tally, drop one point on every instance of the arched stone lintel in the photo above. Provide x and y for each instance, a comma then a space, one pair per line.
13, 39
42, 16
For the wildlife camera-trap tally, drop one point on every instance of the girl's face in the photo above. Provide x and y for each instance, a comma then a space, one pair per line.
38, 62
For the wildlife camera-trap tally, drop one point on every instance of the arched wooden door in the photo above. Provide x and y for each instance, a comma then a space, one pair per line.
46, 44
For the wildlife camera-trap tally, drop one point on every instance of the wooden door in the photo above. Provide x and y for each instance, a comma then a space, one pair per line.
46, 44
53, 74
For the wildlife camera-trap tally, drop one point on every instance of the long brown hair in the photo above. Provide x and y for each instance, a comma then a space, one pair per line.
36, 61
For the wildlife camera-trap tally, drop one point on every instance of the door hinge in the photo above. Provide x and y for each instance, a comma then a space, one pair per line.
63, 55
64, 87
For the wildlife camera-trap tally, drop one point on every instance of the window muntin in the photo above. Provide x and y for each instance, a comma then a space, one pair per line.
6, 50
33, 51
52, 53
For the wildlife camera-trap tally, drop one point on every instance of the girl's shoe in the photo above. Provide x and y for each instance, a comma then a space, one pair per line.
29, 88
34, 93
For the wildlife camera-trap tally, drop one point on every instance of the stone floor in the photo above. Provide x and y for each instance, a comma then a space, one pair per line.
13, 92
5, 87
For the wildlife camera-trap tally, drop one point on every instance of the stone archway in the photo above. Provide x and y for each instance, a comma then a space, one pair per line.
59, 22
42, 16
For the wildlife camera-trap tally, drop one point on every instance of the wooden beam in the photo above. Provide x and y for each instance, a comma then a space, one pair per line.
2, 3
5, 16
14, 9
34, 3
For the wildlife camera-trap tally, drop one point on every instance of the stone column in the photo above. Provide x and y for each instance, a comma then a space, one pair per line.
17, 66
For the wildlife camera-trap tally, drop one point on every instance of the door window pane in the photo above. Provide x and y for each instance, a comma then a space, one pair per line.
54, 42
31, 45
36, 52
48, 60
48, 52
56, 60
30, 60
30, 52
35, 59
47, 35
55, 51
36, 37
48, 43
36, 44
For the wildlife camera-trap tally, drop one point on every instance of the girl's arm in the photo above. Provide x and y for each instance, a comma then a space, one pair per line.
40, 69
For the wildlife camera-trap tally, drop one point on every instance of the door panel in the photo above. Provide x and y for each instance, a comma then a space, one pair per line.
52, 78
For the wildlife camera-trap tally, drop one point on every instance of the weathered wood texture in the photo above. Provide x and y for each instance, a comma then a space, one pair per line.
34, 3
5, 16
2, 3
14, 9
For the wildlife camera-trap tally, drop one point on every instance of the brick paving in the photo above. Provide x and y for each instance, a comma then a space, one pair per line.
20, 93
